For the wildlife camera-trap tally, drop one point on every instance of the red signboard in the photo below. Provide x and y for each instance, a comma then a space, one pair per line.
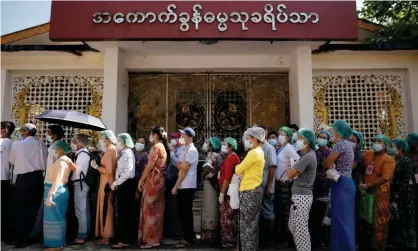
203, 20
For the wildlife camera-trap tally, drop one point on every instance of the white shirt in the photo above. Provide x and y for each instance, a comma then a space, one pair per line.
82, 163
284, 160
190, 155
28, 155
125, 166
5, 147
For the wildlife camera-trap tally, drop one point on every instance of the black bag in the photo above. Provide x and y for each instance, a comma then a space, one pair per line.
92, 176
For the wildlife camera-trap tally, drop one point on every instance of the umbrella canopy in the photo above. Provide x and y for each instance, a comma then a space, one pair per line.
72, 119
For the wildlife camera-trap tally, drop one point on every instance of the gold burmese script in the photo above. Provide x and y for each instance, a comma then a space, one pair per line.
184, 18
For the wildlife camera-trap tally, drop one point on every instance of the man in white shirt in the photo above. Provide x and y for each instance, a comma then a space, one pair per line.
29, 159
55, 133
7, 129
81, 189
185, 186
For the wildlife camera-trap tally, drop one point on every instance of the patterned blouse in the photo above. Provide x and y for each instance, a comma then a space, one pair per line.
403, 175
344, 163
141, 160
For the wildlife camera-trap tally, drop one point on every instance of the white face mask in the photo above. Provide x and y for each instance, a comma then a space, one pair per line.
205, 147
182, 141
151, 139
139, 146
282, 140
300, 145
119, 146
49, 139
247, 144
173, 143
73, 147
224, 149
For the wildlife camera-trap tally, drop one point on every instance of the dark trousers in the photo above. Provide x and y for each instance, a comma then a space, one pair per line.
318, 232
28, 193
172, 225
72, 221
185, 211
126, 211
5, 208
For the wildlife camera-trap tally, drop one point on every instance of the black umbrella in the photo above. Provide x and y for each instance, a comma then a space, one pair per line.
72, 119
107, 190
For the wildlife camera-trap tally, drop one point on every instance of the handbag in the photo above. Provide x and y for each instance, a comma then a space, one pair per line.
365, 209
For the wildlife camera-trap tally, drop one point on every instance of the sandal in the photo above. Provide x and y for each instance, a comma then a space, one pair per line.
182, 244
78, 242
102, 242
120, 245
148, 246
227, 245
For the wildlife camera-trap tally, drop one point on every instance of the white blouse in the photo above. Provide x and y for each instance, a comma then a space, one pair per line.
284, 160
125, 167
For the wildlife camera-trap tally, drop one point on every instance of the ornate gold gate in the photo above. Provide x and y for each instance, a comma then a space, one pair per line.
220, 104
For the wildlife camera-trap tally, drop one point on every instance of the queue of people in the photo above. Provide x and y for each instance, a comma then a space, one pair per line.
288, 188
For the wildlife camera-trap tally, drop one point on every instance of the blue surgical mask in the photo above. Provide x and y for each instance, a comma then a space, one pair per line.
392, 151
272, 142
49, 139
376, 147
322, 142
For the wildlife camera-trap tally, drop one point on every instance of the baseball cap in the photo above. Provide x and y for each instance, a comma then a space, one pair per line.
188, 131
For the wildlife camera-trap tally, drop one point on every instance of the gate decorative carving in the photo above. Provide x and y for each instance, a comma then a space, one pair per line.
221, 105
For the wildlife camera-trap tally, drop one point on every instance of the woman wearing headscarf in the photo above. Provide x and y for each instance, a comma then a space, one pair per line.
342, 189
226, 173
210, 213
124, 187
376, 180
303, 172
286, 154
141, 157
105, 211
56, 196
402, 222
320, 190
251, 171
151, 184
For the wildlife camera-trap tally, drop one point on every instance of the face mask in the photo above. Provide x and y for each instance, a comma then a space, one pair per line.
322, 142
49, 139
119, 146
294, 137
272, 142
376, 147
300, 145
182, 141
173, 143
73, 147
139, 147
247, 144
151, 139
282, 140
392, 151
224, 149
354, 145
205, 147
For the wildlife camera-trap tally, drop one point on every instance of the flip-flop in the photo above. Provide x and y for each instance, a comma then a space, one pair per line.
75, 243
227, 245
182, 245
101, 243
148, 246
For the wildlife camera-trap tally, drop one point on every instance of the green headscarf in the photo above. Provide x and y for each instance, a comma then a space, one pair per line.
401, 143
62, 145
384, 139
309, 135
108, 134
342, 128
215, 143
232, 142
126, 140
287, 130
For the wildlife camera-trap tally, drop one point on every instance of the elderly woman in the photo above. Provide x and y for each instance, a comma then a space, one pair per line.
151, 184
303, 172
56, 197
251, 171
227, 170
107, 167
379, 171
342, 189
125, 187
402, 222
210, 213
285, 155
